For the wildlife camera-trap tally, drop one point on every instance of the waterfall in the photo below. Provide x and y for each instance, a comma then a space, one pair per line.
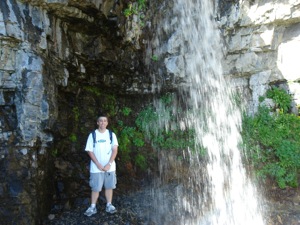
215, 188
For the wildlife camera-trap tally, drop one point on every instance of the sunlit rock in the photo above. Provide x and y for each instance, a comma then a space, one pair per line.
262, 36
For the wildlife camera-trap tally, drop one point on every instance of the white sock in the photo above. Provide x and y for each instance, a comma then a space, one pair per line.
93, 205
109, 203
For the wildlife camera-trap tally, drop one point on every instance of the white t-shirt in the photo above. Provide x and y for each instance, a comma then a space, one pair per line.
102, 150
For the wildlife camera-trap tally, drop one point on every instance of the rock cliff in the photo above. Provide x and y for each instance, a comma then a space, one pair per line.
262, 40
54, 53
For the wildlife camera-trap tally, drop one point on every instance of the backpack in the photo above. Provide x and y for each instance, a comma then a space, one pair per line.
94, 137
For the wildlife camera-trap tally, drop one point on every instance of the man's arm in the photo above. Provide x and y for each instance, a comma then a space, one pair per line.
94, 159
112, 157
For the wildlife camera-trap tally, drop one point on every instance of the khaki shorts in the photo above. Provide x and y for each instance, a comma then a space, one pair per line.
107, 179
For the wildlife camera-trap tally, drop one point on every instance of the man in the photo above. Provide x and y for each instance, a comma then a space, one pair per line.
103, 167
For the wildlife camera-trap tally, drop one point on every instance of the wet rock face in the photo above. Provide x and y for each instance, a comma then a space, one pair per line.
49, 51
24, 107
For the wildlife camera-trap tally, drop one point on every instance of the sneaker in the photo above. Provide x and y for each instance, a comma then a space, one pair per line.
110, 209
90, 211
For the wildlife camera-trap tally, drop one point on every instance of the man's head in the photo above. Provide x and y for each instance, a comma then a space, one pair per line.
102, 122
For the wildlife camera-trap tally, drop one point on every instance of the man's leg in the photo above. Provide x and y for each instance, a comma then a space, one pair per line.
108, 195
110, 184
94, 197
92, 209
96, 182
109, 207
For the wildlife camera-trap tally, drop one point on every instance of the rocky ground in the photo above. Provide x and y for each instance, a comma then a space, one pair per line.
130, 212
284, 206
135, 208
131, 204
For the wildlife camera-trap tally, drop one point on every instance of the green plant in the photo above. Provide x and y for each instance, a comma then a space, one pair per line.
272, 142
126, 111
135, 8
174, 138
140, 161
76, 113
54, 152
154, 58
261, 98
73, 137
281, 98
131, 141
107, 104
93, 90
142, 4
129, 11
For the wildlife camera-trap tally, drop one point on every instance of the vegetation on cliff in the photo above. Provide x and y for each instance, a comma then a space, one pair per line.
272, 140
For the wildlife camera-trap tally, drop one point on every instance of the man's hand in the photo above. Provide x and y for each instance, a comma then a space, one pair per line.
100, 167
94, 159
106, 167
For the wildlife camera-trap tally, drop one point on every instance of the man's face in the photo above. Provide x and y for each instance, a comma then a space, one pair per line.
102, 122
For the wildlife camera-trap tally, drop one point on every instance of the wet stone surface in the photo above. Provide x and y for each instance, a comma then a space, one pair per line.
137, 208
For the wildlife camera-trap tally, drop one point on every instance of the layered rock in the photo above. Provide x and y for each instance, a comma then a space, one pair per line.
25, 110
261, 45
262, 40
44, 45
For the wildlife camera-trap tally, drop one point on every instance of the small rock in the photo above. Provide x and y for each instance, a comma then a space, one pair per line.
51, 216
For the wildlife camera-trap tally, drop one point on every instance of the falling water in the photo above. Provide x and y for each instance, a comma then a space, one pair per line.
215, 191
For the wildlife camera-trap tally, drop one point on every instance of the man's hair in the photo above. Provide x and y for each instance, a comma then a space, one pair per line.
102, 115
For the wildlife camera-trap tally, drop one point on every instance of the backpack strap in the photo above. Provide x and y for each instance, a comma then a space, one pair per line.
110, 135
94, 138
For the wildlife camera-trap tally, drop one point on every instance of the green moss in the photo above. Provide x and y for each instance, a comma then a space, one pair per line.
107, 102
93, 90
76, 114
